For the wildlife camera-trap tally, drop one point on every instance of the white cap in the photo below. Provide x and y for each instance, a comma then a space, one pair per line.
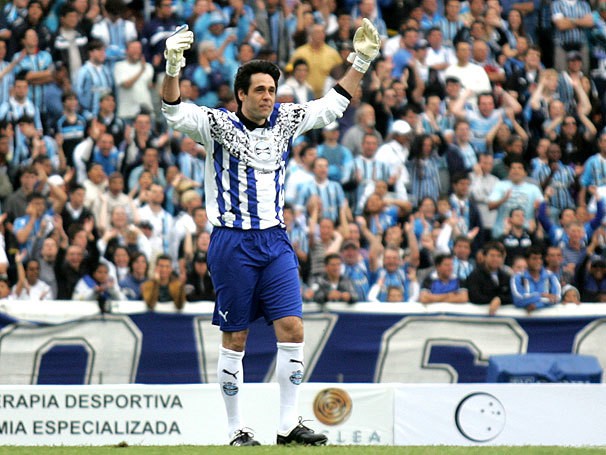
55, 180
285, 90
332, 126
401, 127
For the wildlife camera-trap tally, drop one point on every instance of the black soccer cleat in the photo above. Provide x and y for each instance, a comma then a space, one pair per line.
244, 438
302, 435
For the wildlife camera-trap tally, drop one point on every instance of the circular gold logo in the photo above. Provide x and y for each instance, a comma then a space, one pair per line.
332, 406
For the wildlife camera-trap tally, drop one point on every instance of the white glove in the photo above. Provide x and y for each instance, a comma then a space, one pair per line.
367, 44
176, 44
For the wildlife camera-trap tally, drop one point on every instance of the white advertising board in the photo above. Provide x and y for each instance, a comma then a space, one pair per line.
500, 414
185, 414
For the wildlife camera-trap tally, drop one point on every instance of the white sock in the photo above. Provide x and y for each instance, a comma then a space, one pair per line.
230, 374
289, 371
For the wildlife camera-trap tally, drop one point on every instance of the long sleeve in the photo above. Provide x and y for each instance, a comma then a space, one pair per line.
523, 297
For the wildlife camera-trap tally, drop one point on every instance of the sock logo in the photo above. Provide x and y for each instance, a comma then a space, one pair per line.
230, 389
297, 361
296, 377
231, 374
223, 315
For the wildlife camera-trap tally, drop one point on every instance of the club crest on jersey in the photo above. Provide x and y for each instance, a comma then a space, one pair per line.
230, 389
262, 150
296, 377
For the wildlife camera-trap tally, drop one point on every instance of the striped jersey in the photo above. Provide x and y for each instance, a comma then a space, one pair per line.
245, 169
575, 9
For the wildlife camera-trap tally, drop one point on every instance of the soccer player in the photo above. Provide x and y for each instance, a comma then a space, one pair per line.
252, 263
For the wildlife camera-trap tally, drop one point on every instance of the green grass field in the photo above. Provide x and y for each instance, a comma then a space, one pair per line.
271, 450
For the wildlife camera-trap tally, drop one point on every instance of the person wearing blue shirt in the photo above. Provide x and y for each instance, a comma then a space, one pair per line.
537, 287
394, 274
39, 66
31, 224
513, 193
442, 285
94, 79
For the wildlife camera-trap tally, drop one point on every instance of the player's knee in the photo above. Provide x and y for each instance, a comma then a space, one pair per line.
289, 330
235, 341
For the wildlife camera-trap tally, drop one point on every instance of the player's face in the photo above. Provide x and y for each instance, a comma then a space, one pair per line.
258, 103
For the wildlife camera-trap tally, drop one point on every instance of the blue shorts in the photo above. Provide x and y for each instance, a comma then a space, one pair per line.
255, 273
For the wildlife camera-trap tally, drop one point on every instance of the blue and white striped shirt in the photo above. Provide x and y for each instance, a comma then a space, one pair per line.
245, 169
561, 182
92, 83
40, 61
6, 83
570, 10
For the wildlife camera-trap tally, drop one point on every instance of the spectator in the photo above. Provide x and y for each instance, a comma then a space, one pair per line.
358, 269
514, 193
38, 66
536, 287
99, 286
71, 126
332, 198
133, 76
184, 222
154, 34
114, 31
473, 78
130, 286
394, 274
108, 118
323, 56
517, 238
161, 221
298, 81
199, 284
16, 203
489, 283
94, 79
333, 285
340, 159
365, 123
70, 271
324, 239
35, 221
19, 105
75, 211
48, 254
368, 170
395, 153
554, 259
442, 285
571, 18
29, 285
487, 116
70, 46
424, 170
164, 286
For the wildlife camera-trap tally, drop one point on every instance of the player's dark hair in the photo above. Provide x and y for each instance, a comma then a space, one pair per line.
242, 81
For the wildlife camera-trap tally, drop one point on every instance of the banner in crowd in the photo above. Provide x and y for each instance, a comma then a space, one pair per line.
351, 346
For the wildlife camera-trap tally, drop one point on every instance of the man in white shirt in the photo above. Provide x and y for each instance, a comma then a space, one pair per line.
30, 286
133, 78
439, 57
472, 76
395, 153
160, 220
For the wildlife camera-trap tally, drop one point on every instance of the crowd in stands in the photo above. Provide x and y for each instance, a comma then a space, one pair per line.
470, 165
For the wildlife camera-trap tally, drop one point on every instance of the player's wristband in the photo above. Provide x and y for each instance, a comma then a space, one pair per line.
359, 62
